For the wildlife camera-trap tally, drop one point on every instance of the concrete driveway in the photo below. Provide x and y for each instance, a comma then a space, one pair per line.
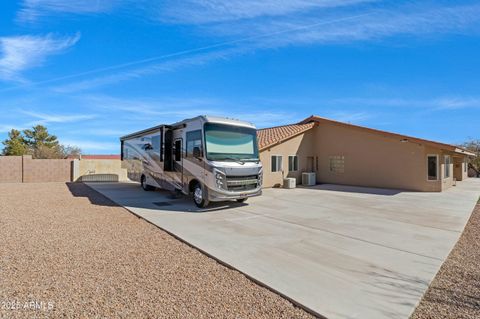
342, 252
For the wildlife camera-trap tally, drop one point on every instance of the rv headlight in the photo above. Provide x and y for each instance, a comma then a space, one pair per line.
219, 179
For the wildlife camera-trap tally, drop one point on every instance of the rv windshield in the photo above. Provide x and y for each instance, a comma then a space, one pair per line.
230, 143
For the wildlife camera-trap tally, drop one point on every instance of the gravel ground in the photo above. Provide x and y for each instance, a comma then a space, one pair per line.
68, 252
455, 291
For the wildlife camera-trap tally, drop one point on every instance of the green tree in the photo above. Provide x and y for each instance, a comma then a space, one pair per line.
39, 136
15, 144
41, 143
38, 143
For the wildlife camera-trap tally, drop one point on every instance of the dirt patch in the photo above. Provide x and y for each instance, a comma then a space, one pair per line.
69, 252
455, 290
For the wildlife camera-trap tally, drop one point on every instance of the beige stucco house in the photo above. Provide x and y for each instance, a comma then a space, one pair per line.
341, 153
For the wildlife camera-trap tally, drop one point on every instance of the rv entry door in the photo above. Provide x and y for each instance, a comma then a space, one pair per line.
168, 160
177, 157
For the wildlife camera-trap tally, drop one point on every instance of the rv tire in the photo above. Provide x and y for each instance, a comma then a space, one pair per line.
200, 196
145, 186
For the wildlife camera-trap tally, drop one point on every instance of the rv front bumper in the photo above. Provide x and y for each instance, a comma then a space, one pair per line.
221, 195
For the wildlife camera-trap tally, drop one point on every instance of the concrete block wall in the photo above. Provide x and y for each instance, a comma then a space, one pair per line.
18, 169
11, 169
46, 170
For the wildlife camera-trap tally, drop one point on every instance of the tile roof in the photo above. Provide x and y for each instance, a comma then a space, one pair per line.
270, 136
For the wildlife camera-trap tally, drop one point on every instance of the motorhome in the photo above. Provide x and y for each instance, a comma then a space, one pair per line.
211, 158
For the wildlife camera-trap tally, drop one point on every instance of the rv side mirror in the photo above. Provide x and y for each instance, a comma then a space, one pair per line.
148, 146
196, 152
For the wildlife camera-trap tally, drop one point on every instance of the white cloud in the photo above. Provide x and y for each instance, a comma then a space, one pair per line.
435, 103
212, 11
289, 27
31, 10
266, 118
171, 109
455, 103
174, 11
89, 145
149, 108
373, 101
57, 118
346, 27
149, 69
350, 117
5, 128
20, 53
102, 132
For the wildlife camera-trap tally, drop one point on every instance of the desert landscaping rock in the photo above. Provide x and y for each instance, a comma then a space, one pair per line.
455, 291
69, 252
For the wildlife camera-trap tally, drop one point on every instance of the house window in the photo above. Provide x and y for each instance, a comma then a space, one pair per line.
292, 163
337, 164
432, 167
447, 166
276, 163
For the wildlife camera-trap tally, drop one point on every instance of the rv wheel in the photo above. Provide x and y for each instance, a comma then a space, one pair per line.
199, 196
144, 184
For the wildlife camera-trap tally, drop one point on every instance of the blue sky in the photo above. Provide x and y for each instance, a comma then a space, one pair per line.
94, 70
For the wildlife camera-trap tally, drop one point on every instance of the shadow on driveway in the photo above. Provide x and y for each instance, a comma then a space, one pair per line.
158, 200
81, 190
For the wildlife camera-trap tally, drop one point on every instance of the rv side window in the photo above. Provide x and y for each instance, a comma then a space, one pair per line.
156, 143
194, 139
